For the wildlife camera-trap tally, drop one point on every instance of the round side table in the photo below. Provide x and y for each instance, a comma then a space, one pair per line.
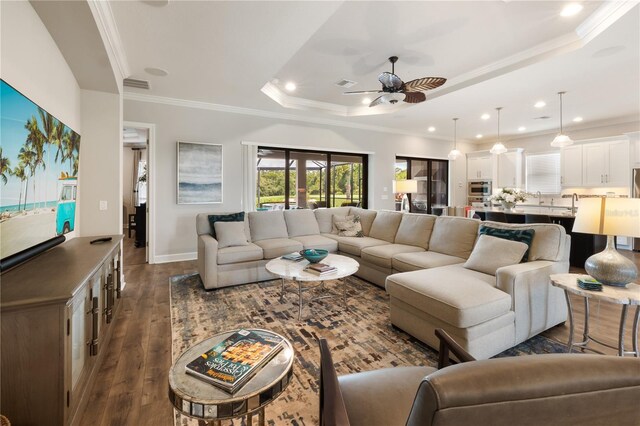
203, 401
625, 296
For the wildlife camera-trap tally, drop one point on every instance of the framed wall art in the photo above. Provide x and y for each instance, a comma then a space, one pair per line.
199, 173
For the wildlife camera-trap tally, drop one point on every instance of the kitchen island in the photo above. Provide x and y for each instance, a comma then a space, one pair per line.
582, 245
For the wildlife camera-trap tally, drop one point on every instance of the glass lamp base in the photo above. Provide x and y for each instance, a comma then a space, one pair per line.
610, 267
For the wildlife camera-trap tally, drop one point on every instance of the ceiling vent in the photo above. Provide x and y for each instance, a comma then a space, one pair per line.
544, 117
344, 83
139, 84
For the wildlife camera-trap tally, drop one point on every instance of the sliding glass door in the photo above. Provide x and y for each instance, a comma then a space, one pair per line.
311, 179
432, 177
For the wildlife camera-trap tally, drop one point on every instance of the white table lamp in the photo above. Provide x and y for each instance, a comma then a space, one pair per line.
610, 217
407, 186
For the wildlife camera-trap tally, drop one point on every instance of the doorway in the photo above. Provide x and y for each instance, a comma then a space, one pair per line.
135, 193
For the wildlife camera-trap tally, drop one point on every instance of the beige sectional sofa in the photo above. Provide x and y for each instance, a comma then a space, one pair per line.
420, 259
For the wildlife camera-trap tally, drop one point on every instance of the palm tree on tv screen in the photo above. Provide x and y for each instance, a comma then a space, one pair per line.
73, 152
26, 158
20, 172
60, 141
5, 167
35, 145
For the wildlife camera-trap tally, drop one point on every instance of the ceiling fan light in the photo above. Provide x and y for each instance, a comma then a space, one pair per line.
561, 141
454, 154
392, 98
498, 148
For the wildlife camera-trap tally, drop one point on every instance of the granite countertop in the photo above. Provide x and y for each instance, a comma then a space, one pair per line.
520, 212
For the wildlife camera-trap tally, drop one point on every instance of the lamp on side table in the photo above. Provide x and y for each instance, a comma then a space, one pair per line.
610, 216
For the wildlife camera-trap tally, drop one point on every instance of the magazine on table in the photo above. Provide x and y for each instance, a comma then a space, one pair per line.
295, 256
231, 363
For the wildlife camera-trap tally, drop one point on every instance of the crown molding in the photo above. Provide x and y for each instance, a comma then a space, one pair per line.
603, 18
185, 103
105, 20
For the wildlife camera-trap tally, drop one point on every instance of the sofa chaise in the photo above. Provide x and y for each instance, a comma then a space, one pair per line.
420, 259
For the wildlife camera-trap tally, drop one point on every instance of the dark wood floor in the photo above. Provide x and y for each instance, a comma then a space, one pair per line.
131, 385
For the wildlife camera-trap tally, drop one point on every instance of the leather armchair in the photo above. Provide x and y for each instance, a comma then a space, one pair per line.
553, 389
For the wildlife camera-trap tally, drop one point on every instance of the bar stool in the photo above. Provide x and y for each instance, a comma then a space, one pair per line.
537, 218
496, 216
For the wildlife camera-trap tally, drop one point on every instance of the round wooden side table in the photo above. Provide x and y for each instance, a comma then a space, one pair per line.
203, 401
625, 296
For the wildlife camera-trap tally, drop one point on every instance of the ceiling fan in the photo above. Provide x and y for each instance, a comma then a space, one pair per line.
394, 89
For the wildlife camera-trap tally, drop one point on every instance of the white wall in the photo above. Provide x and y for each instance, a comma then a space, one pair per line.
101, 163
175, 229
32, 63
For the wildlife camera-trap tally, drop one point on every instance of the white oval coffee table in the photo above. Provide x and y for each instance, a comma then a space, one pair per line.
289, 270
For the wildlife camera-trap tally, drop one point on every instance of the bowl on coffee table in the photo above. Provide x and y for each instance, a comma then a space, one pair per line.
314, 255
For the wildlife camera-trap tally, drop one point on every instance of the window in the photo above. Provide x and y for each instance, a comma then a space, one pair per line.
543, 173
310, 179
433, 183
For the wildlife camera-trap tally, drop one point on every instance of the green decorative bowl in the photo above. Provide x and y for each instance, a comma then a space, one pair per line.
314, 255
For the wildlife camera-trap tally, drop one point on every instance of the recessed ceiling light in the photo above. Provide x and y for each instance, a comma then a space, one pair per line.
159, 72
577, 119
522, 129
478, 136
571, 9
540, 104
485, 116
366, 101
431, 129
290, 86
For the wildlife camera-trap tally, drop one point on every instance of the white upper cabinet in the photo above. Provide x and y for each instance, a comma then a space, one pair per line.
510, 169
595, 164
571, 166
606, 164
479, 167
619, 171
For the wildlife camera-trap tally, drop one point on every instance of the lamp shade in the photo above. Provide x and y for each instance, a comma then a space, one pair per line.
498, 148
407, 186
561, 141
609, 216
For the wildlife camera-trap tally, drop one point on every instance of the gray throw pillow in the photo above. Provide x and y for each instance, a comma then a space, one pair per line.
230, 234
492, 253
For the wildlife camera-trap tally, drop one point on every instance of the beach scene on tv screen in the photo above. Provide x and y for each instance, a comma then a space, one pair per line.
39, 158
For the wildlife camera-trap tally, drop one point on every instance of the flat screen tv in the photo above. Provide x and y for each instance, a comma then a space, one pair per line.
39, 158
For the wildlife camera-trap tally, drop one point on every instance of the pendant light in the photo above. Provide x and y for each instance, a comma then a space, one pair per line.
454, 154
498, 147
561, 140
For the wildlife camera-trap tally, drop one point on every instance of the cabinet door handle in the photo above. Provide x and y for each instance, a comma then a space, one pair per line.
601, 179
606, 178
109, 298
118, 279
561, 180
93, 348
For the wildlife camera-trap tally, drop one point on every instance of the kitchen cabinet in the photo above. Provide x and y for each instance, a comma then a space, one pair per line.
510, 169
480, 167
57, 313
571, 166
606, 164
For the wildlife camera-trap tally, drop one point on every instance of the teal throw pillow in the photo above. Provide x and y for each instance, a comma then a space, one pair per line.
232, 217
521, 235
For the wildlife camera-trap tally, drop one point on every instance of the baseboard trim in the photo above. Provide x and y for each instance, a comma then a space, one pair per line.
178, 257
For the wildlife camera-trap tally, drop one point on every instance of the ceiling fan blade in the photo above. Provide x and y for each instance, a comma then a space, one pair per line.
425, 83
362, 92
415, 97
376, 101
390, 81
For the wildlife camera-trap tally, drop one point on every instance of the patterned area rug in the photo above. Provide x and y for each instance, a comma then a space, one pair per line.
361, 338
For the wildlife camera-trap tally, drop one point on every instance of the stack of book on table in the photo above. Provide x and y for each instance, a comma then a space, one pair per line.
321, 269
588, 283
231, 363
